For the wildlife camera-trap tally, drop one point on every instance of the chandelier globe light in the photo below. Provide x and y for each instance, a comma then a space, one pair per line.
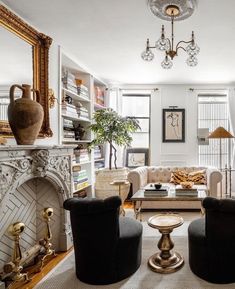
172, 10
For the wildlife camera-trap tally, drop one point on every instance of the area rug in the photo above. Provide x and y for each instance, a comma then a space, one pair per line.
63, 275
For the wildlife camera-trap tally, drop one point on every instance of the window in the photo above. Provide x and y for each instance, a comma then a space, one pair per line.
138, 106
213, 112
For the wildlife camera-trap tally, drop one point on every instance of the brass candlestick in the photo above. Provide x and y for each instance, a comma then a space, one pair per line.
47, 213
16, 230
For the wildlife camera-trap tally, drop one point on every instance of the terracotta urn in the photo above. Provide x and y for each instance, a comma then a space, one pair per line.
25, 115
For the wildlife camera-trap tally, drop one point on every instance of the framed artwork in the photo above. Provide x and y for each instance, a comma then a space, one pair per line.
173, 121
136, 157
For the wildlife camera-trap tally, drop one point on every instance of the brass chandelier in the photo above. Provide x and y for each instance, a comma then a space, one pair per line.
172, 12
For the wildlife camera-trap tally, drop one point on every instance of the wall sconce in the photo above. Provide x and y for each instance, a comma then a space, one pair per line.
51, 98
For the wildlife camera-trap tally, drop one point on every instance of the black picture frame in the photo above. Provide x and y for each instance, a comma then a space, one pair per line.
137, 157
173, 125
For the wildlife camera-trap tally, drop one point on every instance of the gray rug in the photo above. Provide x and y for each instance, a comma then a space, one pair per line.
63, 275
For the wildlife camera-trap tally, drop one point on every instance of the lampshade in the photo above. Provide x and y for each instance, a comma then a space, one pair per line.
220, 132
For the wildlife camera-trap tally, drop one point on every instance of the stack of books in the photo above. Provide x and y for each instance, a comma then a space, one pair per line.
179, 191
82, 111
99, 95
99, 165
68, 129
69, 81
81, 155
80, 180
82, 90
97, 152
150, 191
69, 110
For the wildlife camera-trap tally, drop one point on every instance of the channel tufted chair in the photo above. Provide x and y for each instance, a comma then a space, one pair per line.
212, 242
107, 247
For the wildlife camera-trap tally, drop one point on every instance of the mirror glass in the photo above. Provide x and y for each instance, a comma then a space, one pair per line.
16, 66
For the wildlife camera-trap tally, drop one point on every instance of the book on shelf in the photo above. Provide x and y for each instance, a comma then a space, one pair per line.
97, 152
76, 168
80, 194
81, 186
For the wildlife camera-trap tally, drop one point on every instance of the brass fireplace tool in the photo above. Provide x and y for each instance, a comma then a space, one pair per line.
47, 213
16, 230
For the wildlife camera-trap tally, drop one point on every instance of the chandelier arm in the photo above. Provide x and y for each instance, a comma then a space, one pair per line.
179, 48
186, 42
169, 42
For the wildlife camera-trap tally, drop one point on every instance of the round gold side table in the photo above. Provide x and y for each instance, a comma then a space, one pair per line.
165, 261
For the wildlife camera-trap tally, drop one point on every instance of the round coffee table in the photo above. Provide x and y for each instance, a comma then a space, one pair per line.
165, 261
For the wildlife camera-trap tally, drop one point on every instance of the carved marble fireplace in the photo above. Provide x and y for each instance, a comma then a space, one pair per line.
32, 178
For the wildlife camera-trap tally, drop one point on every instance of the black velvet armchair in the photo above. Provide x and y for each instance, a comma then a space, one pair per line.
212, 242
107, 247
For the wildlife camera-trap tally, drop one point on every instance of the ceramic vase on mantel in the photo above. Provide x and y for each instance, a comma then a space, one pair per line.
25, 115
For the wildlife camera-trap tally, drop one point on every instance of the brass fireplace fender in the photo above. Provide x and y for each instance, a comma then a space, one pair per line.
40, 50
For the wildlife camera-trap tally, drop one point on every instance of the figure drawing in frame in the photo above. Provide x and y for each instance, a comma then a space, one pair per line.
173, 125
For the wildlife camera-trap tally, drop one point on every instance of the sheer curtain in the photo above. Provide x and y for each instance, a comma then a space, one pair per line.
231, 100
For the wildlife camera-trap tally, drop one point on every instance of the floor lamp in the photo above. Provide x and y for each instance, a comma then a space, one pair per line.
220, 133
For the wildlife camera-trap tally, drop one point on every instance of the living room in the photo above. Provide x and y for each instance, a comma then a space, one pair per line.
116, 144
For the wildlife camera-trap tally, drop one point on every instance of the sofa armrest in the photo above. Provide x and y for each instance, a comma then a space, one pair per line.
214, 177
138, 178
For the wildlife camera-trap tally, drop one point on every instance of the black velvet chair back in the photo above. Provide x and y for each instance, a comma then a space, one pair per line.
220, 221
95, 226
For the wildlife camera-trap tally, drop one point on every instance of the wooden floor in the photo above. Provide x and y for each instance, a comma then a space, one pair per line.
38, 276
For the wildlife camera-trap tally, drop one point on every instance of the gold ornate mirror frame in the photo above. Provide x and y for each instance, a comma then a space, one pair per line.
40, 44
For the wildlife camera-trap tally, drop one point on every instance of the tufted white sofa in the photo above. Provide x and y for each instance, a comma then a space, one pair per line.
141, 176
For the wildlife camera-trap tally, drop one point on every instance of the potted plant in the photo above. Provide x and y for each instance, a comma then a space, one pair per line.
115, 130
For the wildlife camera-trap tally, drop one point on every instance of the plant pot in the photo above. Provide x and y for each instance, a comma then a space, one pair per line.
104, 177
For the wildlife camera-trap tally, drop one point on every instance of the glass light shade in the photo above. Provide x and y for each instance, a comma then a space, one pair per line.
147, 55
192, 49
167, 63
192, 61
162, 44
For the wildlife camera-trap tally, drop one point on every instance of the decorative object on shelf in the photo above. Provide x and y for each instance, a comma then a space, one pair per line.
47, 213
25, 115
79, 131
16, 230
220, 133
137, 157
3, 140
173, 121
40, 45
172, 10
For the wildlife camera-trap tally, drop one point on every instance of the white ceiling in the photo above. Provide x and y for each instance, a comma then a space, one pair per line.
108, 36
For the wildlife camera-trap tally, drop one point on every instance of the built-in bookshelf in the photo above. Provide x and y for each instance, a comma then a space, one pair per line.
80, 95
100, 102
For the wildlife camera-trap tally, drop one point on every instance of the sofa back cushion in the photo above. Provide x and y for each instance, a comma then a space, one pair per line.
163, 174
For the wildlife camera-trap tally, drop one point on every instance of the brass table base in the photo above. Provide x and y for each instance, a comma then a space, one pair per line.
174, 263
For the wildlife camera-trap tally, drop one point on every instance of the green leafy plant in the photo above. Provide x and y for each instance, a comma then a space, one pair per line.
111, 128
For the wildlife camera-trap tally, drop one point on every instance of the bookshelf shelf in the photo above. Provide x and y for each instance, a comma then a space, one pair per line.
73, 141
82, 119
82, 163
75, 95
99, 160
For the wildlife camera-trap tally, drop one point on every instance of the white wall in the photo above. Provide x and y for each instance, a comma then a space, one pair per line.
174, 153
178, 95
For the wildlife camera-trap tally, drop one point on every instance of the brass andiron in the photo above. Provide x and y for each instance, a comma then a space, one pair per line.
47, 213
16, 230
